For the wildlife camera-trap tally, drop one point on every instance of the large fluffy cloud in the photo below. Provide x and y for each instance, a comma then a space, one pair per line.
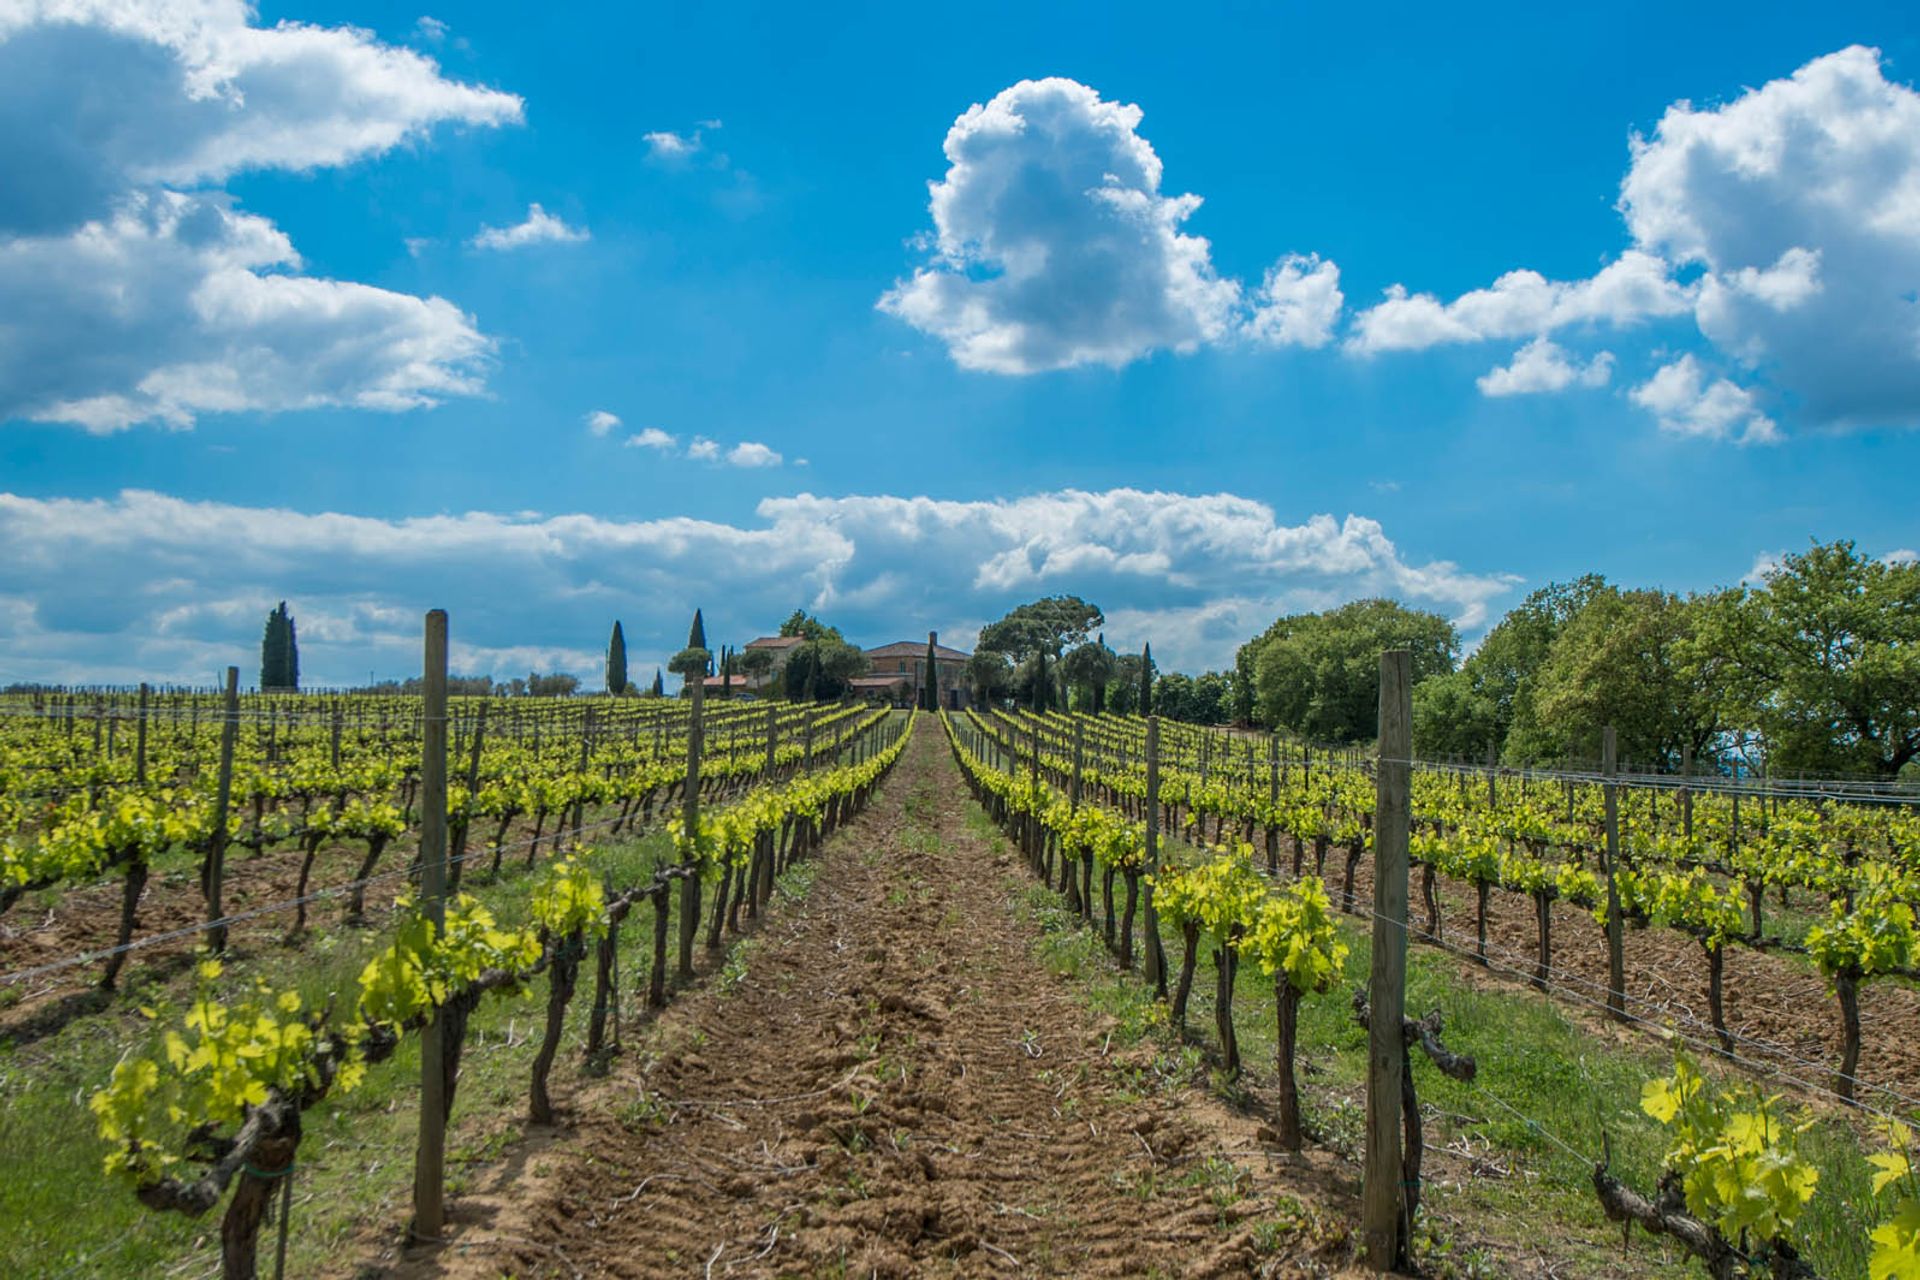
131, 289
1792, 213
1800, 202
1054, 246
145, 586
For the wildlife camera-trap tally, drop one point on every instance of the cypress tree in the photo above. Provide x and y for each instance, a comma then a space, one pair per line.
697, 636
1146, 680
279, 651
726, 671
1040, 689
273, 651
930, 695
659, 685
617, 661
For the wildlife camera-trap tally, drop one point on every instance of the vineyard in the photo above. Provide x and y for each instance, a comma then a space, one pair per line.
418, 986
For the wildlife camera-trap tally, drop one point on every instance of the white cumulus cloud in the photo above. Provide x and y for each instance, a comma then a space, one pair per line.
751, 453
1298, 303
1542, 366
1053, 244
1792, 214
652, 438
600, 422
539, 227
131, 287
1521, 304
1687, 403
1800, 202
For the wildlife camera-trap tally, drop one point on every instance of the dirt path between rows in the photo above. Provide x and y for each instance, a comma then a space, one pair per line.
896, 1087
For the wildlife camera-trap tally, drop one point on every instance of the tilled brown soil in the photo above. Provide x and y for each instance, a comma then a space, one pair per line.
85, 921
1784, 1018
896, 1087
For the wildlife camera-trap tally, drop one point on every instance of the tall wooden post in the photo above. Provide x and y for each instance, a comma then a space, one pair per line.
222, 799
1156, 956
773, 743
1616, 930
429, 1161
1383, 1230
140, 740
1079, 759
690, 819
1686, 790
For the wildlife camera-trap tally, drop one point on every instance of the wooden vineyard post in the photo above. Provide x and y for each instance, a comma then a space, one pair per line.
1686, 791
1156, 957
1079, 759
1385, 1234
222, 797
1616, 939
690, 818
1273, 802
457, 857
586, 749
140, 740
773, 743
429, 1162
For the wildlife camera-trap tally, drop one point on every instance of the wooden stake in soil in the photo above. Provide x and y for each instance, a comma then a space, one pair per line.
1382, 1222
140, 740
1616, 935
1156, 956
222, 797
429, 1163
690, 817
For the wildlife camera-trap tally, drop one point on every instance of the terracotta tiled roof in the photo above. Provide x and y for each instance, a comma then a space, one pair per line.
917, 649
776, 642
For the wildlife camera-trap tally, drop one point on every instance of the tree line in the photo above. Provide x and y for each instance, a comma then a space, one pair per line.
1813, 669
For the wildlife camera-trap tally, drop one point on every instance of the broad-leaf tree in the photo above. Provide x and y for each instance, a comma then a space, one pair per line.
1319, 674
1046, 626
1823, 661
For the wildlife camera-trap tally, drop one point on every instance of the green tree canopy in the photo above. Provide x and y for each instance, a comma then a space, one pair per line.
803, 624
1822, 660
756, 662
1041, 626
1202, 699
1123, 690
990, 674
819, 670
1624, 659
1089, 668
1318, 674
1460, 714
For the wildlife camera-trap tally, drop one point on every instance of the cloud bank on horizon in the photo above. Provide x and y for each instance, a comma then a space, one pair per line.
147, 586
1785, 224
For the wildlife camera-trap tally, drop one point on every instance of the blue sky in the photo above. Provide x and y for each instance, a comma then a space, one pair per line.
257, 341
